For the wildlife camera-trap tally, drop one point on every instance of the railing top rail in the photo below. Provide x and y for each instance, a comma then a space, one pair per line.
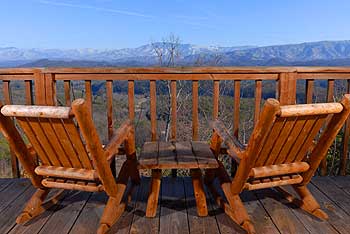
19, 71
175, 70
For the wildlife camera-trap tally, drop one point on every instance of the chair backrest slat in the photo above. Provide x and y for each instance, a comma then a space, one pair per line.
319, 123
55, 142
22, 121
40, 135
80, 148
53, 134
294, 140
66, 143
271, 138
280, 141
302, 137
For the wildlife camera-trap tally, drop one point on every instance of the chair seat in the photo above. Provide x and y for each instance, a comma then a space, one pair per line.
177, 155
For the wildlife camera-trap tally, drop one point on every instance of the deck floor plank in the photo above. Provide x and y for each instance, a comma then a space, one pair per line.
173, 213
337, 217
88, 220
198, 224
9, 194
342, 182
64, 218
281, 215
336, 194
9, 214
140, 223
312, 224
80, 212
35, 225
4, 183
260, 218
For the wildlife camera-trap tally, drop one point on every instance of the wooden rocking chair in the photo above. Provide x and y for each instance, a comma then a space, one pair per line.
285, 148
70, 157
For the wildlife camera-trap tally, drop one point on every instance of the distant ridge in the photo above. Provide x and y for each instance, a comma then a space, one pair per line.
322, 53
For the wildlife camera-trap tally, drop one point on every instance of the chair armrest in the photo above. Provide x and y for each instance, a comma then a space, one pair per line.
235, 147
122, 133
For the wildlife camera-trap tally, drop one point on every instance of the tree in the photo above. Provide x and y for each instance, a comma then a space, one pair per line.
167, 52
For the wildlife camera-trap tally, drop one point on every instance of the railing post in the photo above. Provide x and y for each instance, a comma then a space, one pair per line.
39, 88
50, 89
287, 86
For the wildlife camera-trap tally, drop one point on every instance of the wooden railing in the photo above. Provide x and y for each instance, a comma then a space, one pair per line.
41, 88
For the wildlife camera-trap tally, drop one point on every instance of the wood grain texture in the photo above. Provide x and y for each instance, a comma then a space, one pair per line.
309, 91
236, 110
109, 97
153, 109
216, 90
258, 92
67, 90
195, 118
88, 95
173, 101
270, 212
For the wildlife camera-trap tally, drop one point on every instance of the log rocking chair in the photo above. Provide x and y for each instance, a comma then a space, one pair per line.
285, 148
71, 156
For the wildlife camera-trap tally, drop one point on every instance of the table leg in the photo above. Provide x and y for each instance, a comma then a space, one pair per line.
199, 193
152, 202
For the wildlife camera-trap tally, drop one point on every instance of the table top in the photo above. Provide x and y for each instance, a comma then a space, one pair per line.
177, 155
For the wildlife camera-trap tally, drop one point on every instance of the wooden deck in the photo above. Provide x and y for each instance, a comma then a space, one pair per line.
79, 212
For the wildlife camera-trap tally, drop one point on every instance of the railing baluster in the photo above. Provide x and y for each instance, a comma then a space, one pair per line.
173, 117
67, 92
330, 98
195, 120
109, 96
29, 91
153, 109
131, 99
7, 92
344, 155
216, 99
88, 94
50, 88
173, 110
309, 91
237, 96
236, 112
277, 91
258, 90
330, 91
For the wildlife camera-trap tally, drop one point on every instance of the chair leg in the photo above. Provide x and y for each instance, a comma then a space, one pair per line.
111, 214
152, 202
37, 204
199, 193
236, 209
308, 202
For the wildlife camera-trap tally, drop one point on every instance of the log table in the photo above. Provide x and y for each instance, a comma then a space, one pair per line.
195, 155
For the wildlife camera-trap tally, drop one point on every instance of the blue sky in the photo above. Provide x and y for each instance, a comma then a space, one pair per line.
119, 24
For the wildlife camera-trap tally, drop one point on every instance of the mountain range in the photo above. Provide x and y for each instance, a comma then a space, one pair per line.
323, 53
